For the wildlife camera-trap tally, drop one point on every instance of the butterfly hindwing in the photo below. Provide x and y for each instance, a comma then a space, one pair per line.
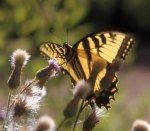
104, 97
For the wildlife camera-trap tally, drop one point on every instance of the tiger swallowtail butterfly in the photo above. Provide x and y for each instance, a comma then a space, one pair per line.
95, 58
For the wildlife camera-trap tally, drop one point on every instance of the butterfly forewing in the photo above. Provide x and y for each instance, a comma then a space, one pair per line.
107, 45
53, 50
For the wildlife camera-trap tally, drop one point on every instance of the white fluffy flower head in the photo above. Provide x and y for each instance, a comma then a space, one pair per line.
91, 121
140, 125
45, 123
19, 57
82, 89
100, 112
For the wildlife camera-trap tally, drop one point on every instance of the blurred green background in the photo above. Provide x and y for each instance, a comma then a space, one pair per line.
26, 24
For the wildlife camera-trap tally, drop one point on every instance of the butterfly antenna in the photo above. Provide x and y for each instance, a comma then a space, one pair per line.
67, 30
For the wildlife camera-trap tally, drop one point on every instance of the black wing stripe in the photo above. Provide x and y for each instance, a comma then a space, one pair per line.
112, 35
96, 42
45, 50
50, 46
86, 46
125, 47
56, 49
53, 48
78, 62
75, 69
103, 38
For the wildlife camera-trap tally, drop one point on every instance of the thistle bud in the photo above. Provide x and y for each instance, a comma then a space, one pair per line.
71, 108
82, 89
44, 74
18, 60
14, 79
45, 123
93, 119
140, 125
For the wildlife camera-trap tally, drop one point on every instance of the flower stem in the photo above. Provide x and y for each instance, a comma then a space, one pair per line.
77, 117
27, 86
7, 111
8, 103
60, 125
22, 91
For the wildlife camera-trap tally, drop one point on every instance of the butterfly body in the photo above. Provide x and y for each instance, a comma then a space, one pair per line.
95, 58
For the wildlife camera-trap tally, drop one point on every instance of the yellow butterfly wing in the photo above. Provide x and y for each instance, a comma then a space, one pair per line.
107, 45
100, 52
102, 49
93, 59
53, 50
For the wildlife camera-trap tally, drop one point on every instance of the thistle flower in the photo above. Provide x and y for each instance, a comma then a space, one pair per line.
20, 107
53, 62
71, 108
29, 100
45, 123
140, 125
82, 89
93, 119
18, 60
25, 104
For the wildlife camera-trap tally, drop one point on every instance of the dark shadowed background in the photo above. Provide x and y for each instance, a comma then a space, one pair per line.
26, 24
